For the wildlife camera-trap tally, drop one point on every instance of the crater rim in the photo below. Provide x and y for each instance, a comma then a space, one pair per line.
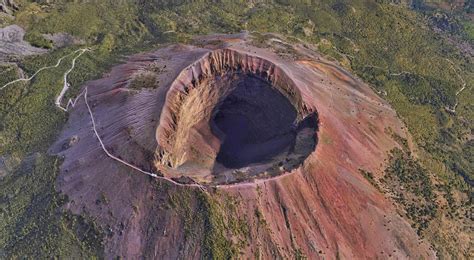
208, 79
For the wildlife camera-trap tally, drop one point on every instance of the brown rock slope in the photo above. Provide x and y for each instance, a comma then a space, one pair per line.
286, 183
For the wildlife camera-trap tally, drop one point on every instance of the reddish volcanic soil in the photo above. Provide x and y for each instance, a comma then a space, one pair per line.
279, 129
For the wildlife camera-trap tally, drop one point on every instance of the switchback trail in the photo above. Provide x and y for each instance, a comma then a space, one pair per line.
41, 69
66, 85
71, 103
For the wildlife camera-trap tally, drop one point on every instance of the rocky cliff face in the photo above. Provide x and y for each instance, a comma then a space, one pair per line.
319, 207
262, 109
13, 45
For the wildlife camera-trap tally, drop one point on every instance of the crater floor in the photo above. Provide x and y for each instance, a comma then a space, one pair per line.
254, 122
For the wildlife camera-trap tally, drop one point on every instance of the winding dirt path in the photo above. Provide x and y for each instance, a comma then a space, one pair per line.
110, 155
66, 85
41, 69
71, 103
453, 110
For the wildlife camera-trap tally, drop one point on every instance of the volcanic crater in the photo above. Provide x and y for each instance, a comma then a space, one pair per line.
231, 117
244, 119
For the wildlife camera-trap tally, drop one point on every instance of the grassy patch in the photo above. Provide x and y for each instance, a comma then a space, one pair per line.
209, 221
33, 225
146, 77
369, 176
469, 29
420, 119
412, 188
37, 40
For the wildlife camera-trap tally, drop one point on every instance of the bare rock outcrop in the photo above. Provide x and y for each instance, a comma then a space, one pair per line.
61, 40
12, 43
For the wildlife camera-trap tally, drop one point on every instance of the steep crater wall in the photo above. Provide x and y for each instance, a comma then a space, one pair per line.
230, 117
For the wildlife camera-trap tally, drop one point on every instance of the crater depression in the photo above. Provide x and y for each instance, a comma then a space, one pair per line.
231, 117
254, 123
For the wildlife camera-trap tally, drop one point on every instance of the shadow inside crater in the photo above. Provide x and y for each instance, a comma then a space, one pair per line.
258, 124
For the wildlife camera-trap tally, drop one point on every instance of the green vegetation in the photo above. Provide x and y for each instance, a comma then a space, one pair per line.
146, 77
216, 245
412, 186
32, 226
209, 222
453, 17
389, 46
369, 176
469, 29
8, 73
37, 40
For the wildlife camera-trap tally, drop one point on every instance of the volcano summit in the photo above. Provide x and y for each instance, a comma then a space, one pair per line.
275, 128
